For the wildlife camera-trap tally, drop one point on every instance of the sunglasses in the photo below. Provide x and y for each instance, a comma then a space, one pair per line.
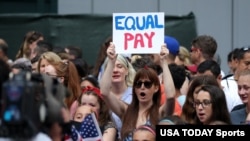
147, 84
193, 49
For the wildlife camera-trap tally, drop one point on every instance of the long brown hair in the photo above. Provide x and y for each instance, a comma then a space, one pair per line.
130, 118
188, 113
104, 116
101, 56
29, 38
68, 70
219, 104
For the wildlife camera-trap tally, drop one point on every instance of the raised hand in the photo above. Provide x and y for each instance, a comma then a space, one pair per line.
164, 52
111, 51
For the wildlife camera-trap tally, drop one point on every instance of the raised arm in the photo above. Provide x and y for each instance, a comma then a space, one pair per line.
117, 106
168, 107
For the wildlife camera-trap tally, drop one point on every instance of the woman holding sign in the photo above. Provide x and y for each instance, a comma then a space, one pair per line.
145, 107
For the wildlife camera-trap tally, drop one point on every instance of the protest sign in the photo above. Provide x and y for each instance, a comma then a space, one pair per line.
138, 33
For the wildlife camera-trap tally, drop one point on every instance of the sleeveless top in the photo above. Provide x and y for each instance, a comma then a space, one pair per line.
127, 98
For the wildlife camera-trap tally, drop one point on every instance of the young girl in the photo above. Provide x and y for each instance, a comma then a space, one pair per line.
92, 97
143, 133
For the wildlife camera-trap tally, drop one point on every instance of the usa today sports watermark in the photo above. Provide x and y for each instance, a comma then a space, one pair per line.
202, 131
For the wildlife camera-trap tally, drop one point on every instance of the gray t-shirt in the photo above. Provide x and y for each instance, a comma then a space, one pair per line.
238, 116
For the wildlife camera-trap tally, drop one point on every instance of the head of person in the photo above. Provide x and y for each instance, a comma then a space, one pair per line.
188, 111
173, 46
58, 50
81, 112
89, 80
243, 58
232, 60
145, 60
183, 57
146, 91
134, 57
42, 46
146, 86
34, 63
244, 85
178, 74
47, 58
218, 122
66, 73
29, 43
21, 64
50, 70
203, 48
4, 76
3, 49
64, 56
171, 120
210, 67
210, 105
144, 133
81, 66
123, 71
91, 96
191, 70
75, 52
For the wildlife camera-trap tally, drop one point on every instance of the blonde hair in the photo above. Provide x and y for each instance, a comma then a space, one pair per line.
51, 57
131, 70
184, 55
126, 63
135, 57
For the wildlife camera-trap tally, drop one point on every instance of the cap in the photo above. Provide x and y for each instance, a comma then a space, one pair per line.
172, 45
191, 68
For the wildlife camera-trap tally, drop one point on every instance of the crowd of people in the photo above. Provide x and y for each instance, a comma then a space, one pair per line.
131, 94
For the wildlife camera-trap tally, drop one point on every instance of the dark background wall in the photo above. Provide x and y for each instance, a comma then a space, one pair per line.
85, 31
28, 6
225, 20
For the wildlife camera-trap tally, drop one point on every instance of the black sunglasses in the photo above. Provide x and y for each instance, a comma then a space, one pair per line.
147, 84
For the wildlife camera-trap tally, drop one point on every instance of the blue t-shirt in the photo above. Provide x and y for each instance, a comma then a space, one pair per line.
181, 99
